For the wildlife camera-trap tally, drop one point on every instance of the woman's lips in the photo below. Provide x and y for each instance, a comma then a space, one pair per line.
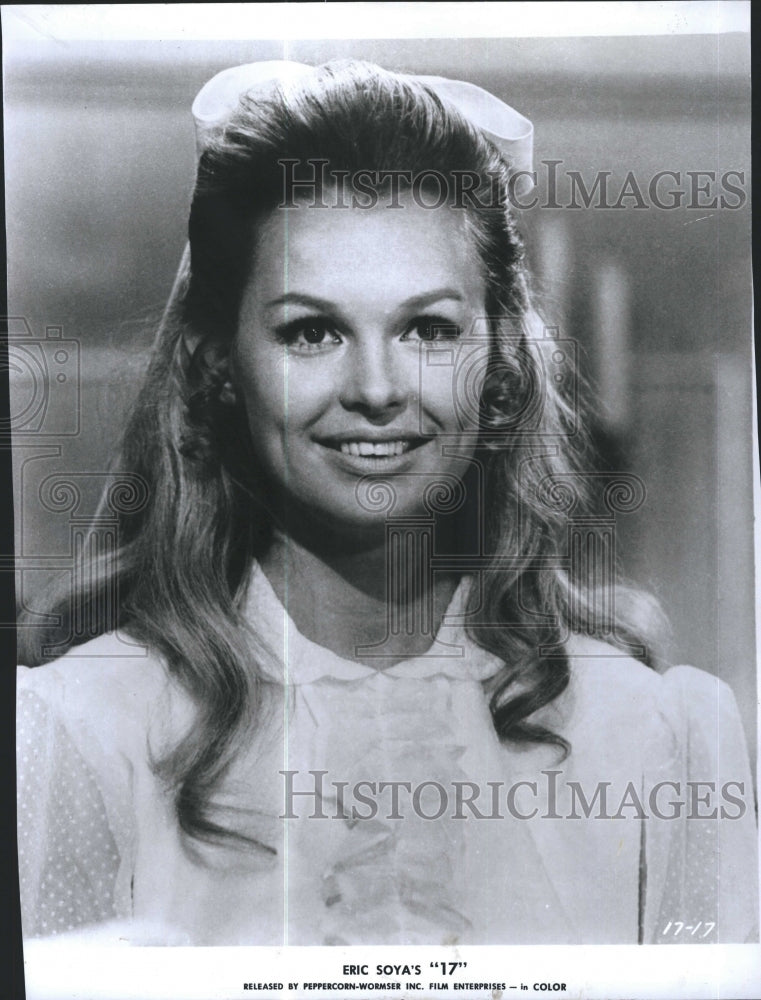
377, 448
369, 453
368, 447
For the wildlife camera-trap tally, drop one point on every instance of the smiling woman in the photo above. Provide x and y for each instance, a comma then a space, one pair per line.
365, 561
329, 359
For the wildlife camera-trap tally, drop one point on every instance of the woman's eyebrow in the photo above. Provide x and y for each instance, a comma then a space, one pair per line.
428, 298
414, 302
299, 299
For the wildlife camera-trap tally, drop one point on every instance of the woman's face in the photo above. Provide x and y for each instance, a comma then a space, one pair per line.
345, 354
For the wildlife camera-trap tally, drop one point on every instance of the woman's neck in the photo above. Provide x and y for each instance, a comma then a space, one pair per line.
343, 599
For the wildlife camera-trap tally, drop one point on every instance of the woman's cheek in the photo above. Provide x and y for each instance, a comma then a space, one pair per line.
452, 386
262, 380
439, 398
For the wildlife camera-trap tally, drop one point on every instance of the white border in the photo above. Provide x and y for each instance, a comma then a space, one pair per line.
119, 22
67, 971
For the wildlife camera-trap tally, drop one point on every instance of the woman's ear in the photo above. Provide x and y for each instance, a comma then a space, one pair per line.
209, 366
227, 394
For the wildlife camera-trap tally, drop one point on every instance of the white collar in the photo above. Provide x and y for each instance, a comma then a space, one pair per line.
452, 653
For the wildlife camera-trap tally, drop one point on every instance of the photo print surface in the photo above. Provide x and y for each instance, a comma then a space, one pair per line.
382, 420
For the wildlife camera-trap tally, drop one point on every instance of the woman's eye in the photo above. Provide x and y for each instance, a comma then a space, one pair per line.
306, 334
430, 328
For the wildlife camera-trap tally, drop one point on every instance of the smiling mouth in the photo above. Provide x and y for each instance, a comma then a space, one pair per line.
376, 449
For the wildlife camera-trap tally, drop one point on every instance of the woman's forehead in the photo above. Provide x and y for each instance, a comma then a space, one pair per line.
400, 252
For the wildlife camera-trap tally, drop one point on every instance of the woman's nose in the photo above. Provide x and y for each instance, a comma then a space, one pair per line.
376, 381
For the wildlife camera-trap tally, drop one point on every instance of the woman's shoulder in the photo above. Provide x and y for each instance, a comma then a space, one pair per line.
682, 705
110, 684
601, 670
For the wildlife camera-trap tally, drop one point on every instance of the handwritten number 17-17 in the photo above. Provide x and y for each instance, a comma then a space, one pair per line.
676, 927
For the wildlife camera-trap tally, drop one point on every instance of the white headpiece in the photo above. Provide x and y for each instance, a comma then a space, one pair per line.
510, 132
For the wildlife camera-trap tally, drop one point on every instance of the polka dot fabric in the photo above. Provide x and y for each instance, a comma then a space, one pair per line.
68, 859
708, 889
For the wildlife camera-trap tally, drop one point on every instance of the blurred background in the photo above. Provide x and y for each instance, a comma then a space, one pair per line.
99, 172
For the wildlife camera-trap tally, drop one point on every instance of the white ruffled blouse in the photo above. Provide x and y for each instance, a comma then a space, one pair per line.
406, 820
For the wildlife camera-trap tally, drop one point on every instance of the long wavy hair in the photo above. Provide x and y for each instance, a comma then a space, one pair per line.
184, 558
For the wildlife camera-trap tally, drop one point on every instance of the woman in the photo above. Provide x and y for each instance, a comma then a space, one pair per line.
374, 693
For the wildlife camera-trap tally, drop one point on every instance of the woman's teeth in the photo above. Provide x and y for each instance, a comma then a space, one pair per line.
374, 447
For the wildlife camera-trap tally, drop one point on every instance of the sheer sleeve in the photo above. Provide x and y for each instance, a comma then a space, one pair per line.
68, 855
709, 889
